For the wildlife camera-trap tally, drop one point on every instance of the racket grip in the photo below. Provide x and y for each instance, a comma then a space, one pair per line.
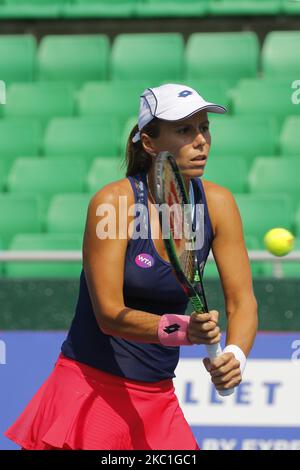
215, 350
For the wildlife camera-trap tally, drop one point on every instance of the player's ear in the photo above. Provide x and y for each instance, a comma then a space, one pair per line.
148, 144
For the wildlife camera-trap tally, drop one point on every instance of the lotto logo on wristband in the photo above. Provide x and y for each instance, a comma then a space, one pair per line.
172, 328
143, 260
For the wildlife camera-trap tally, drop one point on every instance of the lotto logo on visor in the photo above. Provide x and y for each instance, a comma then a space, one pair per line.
185, 93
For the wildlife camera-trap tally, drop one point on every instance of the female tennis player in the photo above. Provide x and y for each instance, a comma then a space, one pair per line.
111, 387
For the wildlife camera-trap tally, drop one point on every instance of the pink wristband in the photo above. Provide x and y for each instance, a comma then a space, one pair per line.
172, 330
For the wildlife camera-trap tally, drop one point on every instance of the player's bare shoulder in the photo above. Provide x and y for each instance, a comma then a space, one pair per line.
220, 202
111, 193
216, 194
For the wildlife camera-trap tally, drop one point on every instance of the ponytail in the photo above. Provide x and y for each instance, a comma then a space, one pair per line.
137, 159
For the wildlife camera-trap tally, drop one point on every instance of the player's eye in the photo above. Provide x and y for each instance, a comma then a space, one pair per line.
204, 128
183, 130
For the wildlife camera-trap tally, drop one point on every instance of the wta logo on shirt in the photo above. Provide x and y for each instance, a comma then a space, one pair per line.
143, 260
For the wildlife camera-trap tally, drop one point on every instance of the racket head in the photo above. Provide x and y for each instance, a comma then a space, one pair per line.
170, 191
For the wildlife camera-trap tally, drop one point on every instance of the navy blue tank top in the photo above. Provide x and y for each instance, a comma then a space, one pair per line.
149, 285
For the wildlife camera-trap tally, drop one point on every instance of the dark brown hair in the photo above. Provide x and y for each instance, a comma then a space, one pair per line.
137, 159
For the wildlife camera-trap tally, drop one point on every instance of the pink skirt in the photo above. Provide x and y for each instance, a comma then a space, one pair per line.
80, 407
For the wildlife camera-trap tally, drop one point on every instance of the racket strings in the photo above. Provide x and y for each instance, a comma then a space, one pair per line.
180, 222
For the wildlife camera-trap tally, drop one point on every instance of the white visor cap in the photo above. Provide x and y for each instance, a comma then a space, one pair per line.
172, 102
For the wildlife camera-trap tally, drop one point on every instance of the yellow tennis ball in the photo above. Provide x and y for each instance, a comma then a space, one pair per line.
279, 241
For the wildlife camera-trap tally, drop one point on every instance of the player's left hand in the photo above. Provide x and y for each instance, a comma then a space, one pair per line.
224, 370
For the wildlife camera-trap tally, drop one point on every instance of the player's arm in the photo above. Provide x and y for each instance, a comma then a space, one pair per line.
234, 268
103, 263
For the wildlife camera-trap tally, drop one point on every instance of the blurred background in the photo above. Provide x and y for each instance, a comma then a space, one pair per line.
71, 72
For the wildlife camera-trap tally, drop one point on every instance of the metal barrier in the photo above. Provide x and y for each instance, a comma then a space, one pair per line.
75, 256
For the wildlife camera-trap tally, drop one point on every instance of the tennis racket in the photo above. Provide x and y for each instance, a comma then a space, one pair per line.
178, 237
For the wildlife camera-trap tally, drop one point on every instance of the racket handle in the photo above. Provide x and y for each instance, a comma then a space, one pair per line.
215, 350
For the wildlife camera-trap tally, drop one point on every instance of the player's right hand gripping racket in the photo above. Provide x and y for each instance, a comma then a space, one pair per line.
178, 238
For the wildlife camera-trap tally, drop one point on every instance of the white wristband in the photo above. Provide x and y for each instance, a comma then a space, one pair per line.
238, 353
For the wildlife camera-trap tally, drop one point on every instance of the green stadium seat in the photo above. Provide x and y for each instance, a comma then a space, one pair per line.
210, 271
261, 212
271, 175
117, 100
67, 213
44, 269
289, 143
231, 56
73, 58
104, 171
245, 7
135, 56
18, 54
100, 9
171, 8
243, 136
23, 9
280, 54
297, 222
19, 213
88, 137
18, 137
291, 7
230, 172
46, 176
39, 100
265, 97
3, 175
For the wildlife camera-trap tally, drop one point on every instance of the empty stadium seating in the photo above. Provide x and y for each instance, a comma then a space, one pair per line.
104, 171
246, 136
266, 97
19, 213
261, 212
230, 172
46, 177
73, 58
29, 9
135, 9
278, 54
18, 137
245, 7
39, 100
87, 137
289, 142
43, 269
67, 213
100, 8
18, 55
171, 8
227, 56
111, 99
136, 57
276, 175
291, 7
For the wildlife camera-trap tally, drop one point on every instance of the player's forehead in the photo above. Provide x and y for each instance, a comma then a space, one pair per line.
194, 120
